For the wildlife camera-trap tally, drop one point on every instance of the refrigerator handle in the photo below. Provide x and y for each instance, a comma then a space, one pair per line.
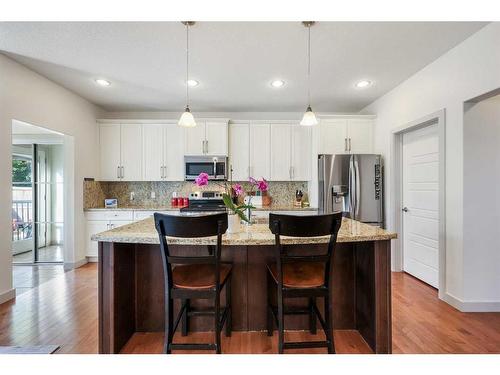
358, 187
352, 192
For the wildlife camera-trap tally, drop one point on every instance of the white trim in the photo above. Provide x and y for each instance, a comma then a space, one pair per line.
92, 259
78, 264
8, 295
154, 121
396, 188
471, 306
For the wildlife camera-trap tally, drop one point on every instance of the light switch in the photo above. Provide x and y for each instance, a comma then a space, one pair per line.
153, 195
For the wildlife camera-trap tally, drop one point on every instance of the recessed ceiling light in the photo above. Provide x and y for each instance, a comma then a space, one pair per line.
193, 83
363, 84
278, 83
102, 82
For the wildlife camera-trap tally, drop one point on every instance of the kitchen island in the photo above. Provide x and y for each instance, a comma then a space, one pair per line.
131, 290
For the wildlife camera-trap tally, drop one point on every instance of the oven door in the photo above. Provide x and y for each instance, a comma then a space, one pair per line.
215, 167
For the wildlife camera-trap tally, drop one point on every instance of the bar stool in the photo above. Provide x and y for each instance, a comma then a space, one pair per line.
299, 276
194, 277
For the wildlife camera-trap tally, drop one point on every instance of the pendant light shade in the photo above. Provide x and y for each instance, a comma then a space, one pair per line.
187, 119
309, 118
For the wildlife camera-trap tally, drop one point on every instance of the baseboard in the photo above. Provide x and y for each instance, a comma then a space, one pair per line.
471, 306
7, 296
71, 266
92, 259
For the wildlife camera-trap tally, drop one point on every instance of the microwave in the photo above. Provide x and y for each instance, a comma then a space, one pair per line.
214, 166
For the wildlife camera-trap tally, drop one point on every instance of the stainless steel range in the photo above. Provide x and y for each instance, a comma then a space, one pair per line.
204, 202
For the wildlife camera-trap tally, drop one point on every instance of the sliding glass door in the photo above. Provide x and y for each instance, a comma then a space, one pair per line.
37, 204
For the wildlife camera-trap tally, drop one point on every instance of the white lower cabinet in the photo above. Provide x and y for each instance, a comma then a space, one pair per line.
100, 221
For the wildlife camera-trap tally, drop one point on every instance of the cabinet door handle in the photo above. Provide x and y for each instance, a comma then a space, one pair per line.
123, 171
164, 171
118, 172
206, 147
345, 144
349, 144
293, 172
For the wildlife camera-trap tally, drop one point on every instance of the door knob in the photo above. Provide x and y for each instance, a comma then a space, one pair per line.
405, 209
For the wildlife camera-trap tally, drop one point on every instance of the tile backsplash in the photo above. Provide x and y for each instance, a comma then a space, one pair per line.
95, 192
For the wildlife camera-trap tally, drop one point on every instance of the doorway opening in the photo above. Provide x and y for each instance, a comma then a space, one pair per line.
37, 204
418, 202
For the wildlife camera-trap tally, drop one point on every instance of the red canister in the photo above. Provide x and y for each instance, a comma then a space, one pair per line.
174, 202
186, 202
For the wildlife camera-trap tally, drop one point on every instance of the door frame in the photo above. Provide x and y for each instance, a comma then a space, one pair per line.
397, 188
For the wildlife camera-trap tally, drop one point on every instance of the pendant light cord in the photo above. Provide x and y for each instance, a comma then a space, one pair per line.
309, 66
187, 65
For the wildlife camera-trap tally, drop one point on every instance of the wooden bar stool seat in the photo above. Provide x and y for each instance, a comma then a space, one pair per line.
300, 274
199, 276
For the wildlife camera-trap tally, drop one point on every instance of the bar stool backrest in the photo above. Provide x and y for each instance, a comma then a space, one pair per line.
190, 227
305, 226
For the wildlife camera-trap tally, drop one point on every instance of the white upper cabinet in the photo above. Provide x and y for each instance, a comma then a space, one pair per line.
281, 152
195, 139
153, 143
207, 138
239, 151
260, 150
174, 141
301, 153
333, 136
216, 138
131, 152
360, 132
109, 142
163, 152
121, 152
346, 136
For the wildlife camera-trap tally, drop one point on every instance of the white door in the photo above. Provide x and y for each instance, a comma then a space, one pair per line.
301, 153
174, 153
94, 227
260, 150
421, 204
109, 141
131, 152
360, 136
216, 138
281, 152
239, 151
333, 136
195, 139
152, 151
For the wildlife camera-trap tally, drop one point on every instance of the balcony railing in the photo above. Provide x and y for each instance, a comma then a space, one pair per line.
22, 220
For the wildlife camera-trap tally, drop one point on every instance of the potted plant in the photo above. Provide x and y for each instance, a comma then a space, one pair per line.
236, 212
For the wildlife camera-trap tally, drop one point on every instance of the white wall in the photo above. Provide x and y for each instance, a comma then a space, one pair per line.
482, 199
468, 70
29, 97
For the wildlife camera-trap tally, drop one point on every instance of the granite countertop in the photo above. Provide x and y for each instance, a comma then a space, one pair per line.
170, 208
257, 234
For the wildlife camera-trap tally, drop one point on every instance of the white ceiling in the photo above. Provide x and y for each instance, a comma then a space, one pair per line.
233, 61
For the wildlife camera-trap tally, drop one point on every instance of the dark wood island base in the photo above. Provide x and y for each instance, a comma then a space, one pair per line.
131, 291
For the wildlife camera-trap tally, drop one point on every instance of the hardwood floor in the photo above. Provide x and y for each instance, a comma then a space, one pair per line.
63, 311
28, 277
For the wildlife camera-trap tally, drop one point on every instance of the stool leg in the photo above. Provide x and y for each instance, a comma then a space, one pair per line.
229, 320
270, 317
312, 316
329, 324
168, 324
185, 318
281, 322
217, 322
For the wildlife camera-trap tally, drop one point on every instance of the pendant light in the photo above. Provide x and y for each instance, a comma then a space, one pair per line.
309, 118
187, 119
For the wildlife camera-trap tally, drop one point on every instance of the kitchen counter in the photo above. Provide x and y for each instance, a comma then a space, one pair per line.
131, 281
170, 208
252, 235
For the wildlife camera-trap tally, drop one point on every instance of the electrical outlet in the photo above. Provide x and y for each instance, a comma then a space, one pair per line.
153, 195
132, 196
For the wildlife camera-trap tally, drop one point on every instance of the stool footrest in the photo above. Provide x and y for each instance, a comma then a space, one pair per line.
305, 344
193, 346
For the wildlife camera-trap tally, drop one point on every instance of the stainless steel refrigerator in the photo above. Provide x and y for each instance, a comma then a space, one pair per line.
352, 184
